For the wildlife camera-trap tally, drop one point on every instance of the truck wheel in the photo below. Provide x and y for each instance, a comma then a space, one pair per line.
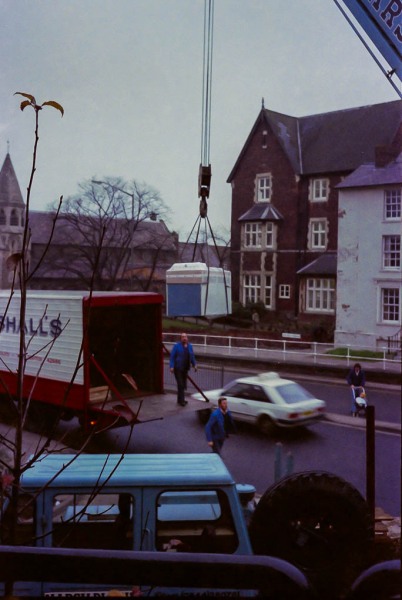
67, 415
265, 425
203, 415
41, 418
318, 522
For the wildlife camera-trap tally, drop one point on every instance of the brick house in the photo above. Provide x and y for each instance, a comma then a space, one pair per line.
284, 222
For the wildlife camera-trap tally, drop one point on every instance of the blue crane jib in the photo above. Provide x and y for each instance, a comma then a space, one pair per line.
382, 22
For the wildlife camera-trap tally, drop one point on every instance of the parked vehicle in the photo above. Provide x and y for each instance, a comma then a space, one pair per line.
189, 503
266, 400
87, 354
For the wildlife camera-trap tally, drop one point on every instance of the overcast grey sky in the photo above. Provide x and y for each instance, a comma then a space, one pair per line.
129, 76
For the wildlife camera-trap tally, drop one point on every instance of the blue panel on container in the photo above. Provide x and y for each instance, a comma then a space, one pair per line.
183, 300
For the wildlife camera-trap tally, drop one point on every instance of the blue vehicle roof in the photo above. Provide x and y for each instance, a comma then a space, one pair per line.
130, 470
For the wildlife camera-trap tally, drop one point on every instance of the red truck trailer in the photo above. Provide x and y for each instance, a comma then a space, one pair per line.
87, 355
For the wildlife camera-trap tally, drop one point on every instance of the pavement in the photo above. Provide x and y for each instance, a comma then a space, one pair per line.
164, 405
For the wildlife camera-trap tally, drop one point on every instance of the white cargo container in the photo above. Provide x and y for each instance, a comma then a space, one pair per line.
194, 289
84, 353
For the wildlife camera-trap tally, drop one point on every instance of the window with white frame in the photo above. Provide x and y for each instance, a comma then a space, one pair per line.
390, 305
264, 188
391, 251
284, 290
252, 235
318, 234
320, 295
268, 291
320, 190
251, 289
392, 204
269, 239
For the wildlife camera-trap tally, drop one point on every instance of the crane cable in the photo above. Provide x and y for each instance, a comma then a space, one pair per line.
204, 175
207, 81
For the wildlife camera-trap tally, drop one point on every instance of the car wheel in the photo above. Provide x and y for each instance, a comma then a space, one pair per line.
203, 415
265, 425
318, 522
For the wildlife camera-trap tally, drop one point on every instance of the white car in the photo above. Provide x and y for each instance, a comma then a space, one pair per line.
266, 400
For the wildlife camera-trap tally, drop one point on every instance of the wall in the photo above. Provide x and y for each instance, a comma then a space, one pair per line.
360, 272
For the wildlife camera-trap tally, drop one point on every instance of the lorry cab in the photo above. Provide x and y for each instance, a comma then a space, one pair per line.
134, 501
158, 502
125, 507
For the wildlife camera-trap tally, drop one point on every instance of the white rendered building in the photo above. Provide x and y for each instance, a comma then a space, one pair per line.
369, 283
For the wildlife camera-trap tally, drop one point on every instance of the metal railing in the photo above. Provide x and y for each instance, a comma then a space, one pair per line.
213, 377
71, 566
395, 342
288, 350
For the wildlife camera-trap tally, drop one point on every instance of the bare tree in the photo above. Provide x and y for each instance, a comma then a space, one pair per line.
13, 461
13, 465
120, 226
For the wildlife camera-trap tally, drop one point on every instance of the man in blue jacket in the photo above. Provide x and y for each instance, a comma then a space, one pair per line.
181, 359
220, 423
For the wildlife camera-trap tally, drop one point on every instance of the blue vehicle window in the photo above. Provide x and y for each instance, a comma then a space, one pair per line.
195, 521
104, 521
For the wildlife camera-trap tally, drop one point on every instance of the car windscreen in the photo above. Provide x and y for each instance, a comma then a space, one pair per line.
291, 393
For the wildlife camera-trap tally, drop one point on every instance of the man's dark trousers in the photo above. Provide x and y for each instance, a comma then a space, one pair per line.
181, 380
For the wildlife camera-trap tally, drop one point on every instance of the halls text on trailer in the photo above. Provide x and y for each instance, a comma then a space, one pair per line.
87, 355
194, 289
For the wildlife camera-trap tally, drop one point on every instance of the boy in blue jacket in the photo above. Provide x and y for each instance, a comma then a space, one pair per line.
220, 423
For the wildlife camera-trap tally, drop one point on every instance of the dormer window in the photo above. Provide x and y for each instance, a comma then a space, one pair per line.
264, 187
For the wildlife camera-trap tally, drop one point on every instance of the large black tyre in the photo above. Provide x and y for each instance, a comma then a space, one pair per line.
318, 522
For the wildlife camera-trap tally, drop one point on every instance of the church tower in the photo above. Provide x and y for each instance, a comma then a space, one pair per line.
12, 219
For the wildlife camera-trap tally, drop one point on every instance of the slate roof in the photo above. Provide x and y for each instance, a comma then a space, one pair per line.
66, 232
263, 211
370, 175
323, 265
331, 142
10, 193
